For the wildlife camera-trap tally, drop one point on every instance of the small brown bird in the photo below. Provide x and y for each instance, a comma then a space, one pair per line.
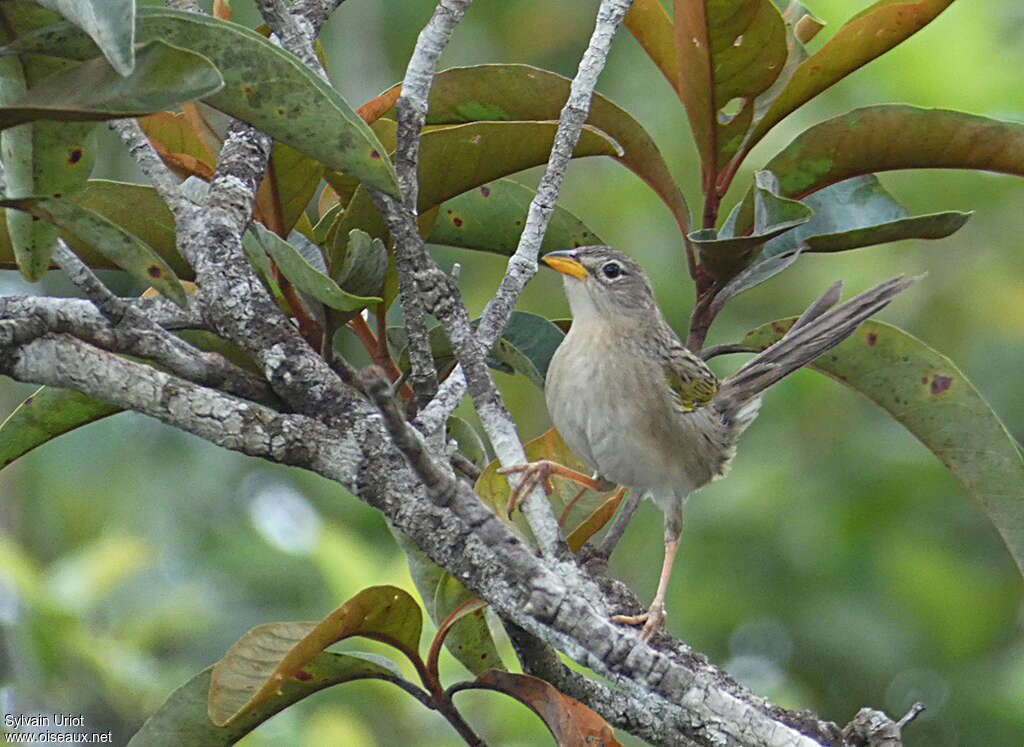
645, 412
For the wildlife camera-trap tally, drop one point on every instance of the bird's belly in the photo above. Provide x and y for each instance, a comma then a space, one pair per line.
645, 448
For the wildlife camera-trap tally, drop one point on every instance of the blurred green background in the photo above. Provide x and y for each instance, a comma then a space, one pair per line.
839, 565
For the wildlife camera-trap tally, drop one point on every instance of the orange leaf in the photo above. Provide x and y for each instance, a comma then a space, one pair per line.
570, 722
372, 109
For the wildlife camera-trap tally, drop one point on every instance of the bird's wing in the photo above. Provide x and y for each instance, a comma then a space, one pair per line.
691, 382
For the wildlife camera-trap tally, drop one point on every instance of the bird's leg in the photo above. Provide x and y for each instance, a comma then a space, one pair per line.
539, 472
618, 527
654, 618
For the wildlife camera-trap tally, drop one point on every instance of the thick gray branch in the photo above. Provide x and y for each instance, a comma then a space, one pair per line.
131, 332
552, 600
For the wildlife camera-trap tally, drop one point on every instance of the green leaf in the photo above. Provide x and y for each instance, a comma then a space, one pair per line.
45, 415
164, 76
110, 23
896, 136
860, 212
455, 159
183, 717
469, 441
491, 217
468, 155
651, 25
725, 253
535, 340
297, 178
271, 655
522, 92
739, 46
364, 266
129, 252
139, 210
868, 34
41, 158
765, 267
526, 347
265, 86
927, 393
493, 488
304, 276
469, 639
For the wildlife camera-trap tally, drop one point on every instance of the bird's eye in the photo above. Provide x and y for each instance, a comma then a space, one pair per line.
612, 270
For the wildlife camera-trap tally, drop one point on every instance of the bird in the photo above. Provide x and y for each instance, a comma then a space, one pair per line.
645, 412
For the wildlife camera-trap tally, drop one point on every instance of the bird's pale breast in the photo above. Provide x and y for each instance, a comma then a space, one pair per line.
621, 419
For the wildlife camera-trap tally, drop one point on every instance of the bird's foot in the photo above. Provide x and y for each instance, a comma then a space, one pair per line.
652, 620
539, 473
534, 474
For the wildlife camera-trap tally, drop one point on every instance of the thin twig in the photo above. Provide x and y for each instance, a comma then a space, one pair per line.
144, 337
522, 266
166, 182
438, 292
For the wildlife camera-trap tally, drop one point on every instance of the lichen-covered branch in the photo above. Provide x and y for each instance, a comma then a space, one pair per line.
522, 266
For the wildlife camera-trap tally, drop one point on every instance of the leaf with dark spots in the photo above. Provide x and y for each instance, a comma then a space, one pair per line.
923, 390
941, 384
164, 76
129, 252
329, 131
491, 219
508, 92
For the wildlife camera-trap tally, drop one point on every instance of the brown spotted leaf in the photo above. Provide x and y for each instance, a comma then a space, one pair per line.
570, 722
265, 86
127, 251
928, 394
491, 219
511, 93
268, 656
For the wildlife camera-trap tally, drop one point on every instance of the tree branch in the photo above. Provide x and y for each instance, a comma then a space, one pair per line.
522, 266
133, 333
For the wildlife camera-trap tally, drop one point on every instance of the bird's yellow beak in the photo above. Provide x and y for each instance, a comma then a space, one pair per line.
566, 262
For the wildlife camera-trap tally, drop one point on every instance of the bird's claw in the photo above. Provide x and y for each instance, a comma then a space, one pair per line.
652, 620
534, 474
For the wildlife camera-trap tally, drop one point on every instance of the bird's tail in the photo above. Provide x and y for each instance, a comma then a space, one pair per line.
818, 329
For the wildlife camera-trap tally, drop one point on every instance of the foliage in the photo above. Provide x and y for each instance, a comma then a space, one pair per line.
329, 263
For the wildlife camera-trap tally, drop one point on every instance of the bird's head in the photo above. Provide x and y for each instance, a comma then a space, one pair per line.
604, 282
